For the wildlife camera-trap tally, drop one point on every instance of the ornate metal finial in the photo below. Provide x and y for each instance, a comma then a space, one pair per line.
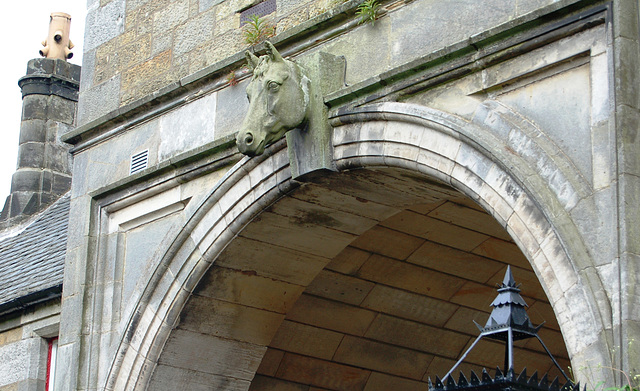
509, 313
508, 322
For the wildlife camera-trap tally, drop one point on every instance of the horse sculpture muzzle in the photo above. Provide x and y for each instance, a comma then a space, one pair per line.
278, 96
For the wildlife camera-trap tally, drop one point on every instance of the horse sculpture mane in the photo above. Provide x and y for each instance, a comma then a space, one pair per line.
279, 99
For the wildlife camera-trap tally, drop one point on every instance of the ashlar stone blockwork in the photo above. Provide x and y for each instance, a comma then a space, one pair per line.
324, 239
444, 102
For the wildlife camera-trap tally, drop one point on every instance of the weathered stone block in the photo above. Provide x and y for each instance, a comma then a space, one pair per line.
452, 261
206, 4
306, 340
231, 107
40, 66
262, 383
344, 318
413, 278
626, 57
106, 64
134, 53
248, 289
229, 320
15, 360
194, 122
10, 336
62, 110
25, 180
99, 100
61, 184
66, 69
174, 14
293, 19
382, 357
57, 158
340, 287
107, 22
47, 181
318, 240
223, 25
387, 242
506, 252
417, 336
270, 362
194, 33
288, 265
383, 382
213, 355
160, 43
144, 75
32, 131
35, 107
322, 373
408, 305
348, 261
31, 155
176, 379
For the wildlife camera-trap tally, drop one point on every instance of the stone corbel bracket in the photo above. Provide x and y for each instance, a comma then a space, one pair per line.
310, 148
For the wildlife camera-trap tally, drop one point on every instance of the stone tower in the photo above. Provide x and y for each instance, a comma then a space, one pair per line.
43, 170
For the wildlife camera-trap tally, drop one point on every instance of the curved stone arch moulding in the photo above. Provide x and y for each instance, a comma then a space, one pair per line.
406, 136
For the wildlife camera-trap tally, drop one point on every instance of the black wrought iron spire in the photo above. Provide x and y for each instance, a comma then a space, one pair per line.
508, 322
509, 315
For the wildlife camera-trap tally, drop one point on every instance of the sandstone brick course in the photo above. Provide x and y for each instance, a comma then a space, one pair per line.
409, 305
322, 373
270, 362
248, 288
382, 357
10, 336
344, 318
306, 340
201, 32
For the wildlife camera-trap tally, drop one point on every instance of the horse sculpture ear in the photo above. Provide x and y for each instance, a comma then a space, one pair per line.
252, 59
273, 53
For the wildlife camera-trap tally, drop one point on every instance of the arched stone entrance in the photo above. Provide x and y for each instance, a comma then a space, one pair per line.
270, 238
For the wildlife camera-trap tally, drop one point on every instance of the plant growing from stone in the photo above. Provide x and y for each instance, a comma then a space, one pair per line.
368, 11
632, 380
256, 30
232, 78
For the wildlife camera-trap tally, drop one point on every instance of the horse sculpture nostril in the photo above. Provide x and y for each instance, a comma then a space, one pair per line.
248, 139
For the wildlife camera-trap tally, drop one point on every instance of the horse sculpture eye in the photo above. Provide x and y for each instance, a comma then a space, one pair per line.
273, 86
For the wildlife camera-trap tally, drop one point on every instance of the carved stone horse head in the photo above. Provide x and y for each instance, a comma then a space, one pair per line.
278, 101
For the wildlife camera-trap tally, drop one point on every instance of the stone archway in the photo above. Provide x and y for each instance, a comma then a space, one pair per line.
416, 144
396, 306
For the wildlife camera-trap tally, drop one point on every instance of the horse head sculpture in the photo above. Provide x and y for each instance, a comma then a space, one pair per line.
278, 96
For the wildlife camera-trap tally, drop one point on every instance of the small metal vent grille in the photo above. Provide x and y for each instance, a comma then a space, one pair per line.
260, 9
139, 161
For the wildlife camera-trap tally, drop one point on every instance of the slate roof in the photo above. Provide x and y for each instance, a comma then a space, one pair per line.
32, 262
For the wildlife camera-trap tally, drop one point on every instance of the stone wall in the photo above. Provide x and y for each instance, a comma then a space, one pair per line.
135, 48
150, 44
24, 347
509, 102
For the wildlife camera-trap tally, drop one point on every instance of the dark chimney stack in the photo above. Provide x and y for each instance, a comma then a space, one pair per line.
43, 173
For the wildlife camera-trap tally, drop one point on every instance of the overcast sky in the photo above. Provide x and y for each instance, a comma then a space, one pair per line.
28, 22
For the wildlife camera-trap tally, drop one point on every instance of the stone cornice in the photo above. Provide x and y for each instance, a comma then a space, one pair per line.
38, 84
